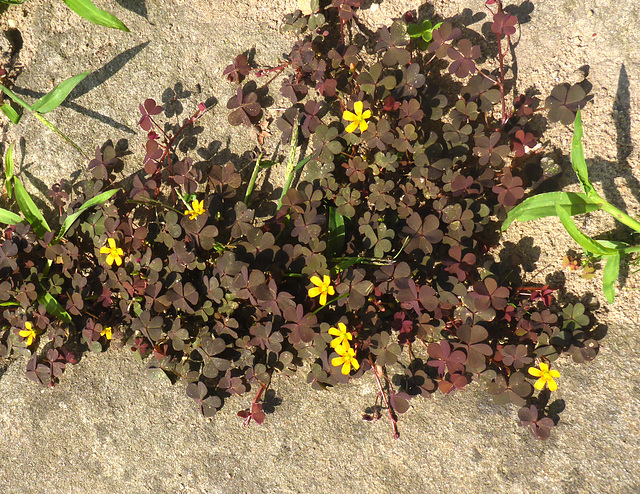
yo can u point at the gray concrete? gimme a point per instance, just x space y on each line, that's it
108 428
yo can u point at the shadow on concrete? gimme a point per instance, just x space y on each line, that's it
93 80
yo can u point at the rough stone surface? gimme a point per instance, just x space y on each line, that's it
108 428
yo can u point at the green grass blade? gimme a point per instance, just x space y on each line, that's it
577 157
54 98
53 307
335 242
9 217
587 243
29 209
543 205
254 178
14 97
610 275
291 164
8 171
87 10
95 201
11 114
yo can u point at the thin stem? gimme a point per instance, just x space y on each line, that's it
394 422
344 295
247 421
252 181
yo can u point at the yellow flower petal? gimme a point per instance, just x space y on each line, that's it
539 385
543 367
554 373
355 363
337 361
112 243
331 291
552 385
366 114
347 115
357 107
334 331
315 291
351 127
346 368
363 126
323 298
316 280
535 372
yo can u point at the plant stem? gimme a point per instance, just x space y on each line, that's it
394 422
291 165
252 181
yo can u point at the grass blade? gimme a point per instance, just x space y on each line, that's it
335 242
587 243
54 98
87 10
291 164
14 97
29 209
254 178
9 217
94 201
544 205
577 158
11 114
53 307
610 275
8 171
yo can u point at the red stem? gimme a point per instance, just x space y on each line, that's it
247 421
394 422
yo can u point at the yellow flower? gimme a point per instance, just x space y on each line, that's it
29 333
347 359
545 375
106 332
114 254
357 119
197 208
342 336
323 288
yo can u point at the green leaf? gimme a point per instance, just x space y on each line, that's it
11 114
53 307
335 242
587 243
87 10
544 205
302 162
94 201
577 158
14 97
610 275
9 304
12 2
29 209
9 218
54 98
8 171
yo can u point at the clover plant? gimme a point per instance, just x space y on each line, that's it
376 260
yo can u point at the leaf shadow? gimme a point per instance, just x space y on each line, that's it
93 80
